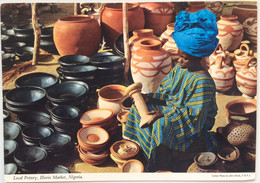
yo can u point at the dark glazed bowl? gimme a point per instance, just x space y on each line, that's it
11 130
10 147
47 33
35 132
73 60
11 47
55 169
101 54
24 29
25 53
26 38
10 168
55 141
78 71
65 112
118 46
29 118
107 61
40 79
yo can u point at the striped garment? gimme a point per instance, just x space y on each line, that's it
189 112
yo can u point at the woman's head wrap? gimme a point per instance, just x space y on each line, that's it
195 33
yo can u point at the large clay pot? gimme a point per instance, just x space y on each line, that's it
150 64
250 27
219 52
164 37
195 6
158 15
77 35
242 55
230 32
244 11
223 75
246 78
171 47
111 18
215 7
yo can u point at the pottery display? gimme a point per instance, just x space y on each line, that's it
195 6
244 11
164 37
110 12
250 27
158 15
246 78
150 64
230 32
84 33
132 166
223 75
215 7
219 52
91 158
241 56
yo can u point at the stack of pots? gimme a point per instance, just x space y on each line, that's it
24 33
46 42
250 27
93 143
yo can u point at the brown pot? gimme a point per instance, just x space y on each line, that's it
195 6
124 149
244 11
215 7
77 35
242 56
158 16
167 34
220 52
111 19
132 166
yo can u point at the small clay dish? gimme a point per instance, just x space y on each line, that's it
205 159
73 60
6 115
35 132
132 166
124 149
11 47
25 53
40 79
65 112
79 70
10 147
118 161
54 169
30 117
10 168
94 156
11 130
91 161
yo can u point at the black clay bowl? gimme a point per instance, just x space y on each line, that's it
110 71
11 48
28 118
4 39
54 169
11 130
118 46
47 33
48 46
69 112
10 168
10 147
101 54
36 132
25 96
40 79
24 29
68 91
73 60
55 141
90 80
6 115
25 53
107 61
26 38
78 71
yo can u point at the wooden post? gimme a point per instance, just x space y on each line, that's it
126 37
76 9
37 33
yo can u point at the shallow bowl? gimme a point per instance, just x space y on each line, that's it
55 141
25 53
124 149
98 117
67 112
11 47
205 159
29 117
78 70
73 60
93 136
11 130
10 168
35 132
10 146
132 166
107 61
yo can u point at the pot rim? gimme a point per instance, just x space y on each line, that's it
117 87
76 18
132 6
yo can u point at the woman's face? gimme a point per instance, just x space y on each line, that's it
187 61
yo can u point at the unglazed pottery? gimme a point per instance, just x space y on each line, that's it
250 27
219 52
93 158
242 55
122 118
195 6
158 15
215 7
244 11
230 32
132 166
150 64
77 35
164 37
118 161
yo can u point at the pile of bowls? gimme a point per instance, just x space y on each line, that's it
10 147
122 151
24 33
46 42
30 117
93 145
25 53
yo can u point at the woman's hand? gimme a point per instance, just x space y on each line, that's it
150 118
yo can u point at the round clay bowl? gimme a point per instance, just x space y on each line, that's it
124 149
94 156
25 53
65 112
28 118
122 117
91 161
11 47
229 153
10 168
11 130
73 60
78 70
40 79
54 169
55 141
35 132
10 147
119 162
205 159
6 115
132 166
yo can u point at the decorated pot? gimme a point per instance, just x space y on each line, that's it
223 75
77 35
215 7
250 27
230 32
244 11
242 55
111 18
246 78
195 6
164 37
158 15
150 64
219 52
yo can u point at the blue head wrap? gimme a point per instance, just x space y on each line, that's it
195 33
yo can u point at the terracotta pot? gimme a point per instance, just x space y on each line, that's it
242 56
111 18
83 32
195 6
219 52
124 149
223 75
215 7
164 37
246 78
171 47
244 11
109 97
230 32
158 15
132 166
250 27
150 64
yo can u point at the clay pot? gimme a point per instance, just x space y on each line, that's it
246 78
223 75
122 118
150 64
242 56
109 97
244 11
215 7
132 166
206 160
171 47
125 103
83 32
164 37
124 149
219 52
113 11
230 32
158 15
250 27
195 6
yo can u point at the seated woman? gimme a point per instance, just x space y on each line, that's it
184 105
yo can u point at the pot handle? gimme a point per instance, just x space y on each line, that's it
246 47
248 62
219 47
219 62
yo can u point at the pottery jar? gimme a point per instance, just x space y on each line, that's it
219 52
195 6
250 27
230 32
77 35
223 75
215 7
111 18
164 37
158 15
241 56
244 11
150 64
246 78
171 47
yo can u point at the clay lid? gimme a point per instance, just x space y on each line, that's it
124 149
132 166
